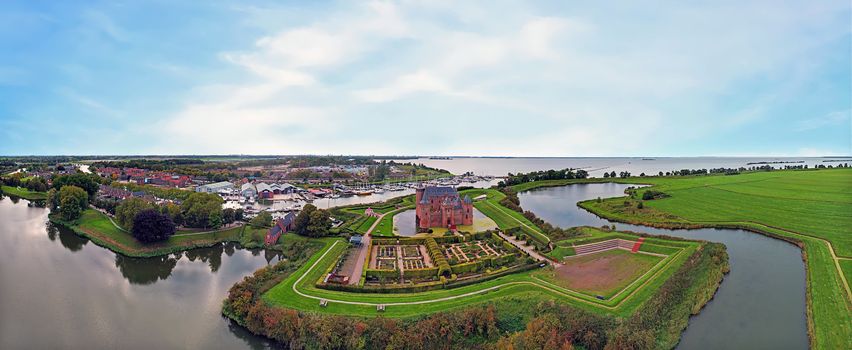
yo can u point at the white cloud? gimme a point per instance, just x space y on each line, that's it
371 77
829 119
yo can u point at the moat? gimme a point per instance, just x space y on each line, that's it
761 302
175 301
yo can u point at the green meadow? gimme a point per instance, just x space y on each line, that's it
810 207
24 193
98 227
298 291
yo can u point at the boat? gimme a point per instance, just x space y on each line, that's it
363 192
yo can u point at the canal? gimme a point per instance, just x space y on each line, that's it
61 291
761 303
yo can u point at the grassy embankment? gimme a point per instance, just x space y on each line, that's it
811 208
24 193
298 291
359 223
505 218
97 226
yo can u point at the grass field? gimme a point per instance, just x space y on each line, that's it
24 193
603 273
298 291
365 225
385 227
811 207
97 227
505 218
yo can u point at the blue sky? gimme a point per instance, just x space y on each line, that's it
549 78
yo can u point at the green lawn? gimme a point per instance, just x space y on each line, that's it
812 207
504 217
97 227
24 193
385 226
365 225
522 283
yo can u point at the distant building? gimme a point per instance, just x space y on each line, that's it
109 192
248 190
265 190
356 240
215 187
440 206
282 226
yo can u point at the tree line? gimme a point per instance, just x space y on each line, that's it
564 174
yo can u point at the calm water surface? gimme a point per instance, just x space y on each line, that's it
58 290
760 304
597 165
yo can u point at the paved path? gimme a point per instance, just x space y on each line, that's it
536 282
529 250
183 234
364 251
536 229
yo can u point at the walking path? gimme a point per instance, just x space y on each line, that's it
529 250
355 278
536 229
182 234
574 295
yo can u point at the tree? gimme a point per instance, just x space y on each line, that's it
202 210
125 213
320 222
72 201
87 182
304 219
228 215
264 219
37 184
612 174
173 211
53 199
150 225
239 214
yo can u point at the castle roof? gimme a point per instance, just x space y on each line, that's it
437 191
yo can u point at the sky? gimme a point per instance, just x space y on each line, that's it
477 78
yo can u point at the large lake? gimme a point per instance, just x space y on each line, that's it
597 165
761 302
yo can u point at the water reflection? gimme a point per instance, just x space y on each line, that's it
146 270
104 294
760 304
69 239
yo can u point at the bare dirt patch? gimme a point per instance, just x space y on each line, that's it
603 273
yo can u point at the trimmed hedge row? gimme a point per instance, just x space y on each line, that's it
382 273
438 258
420 273
390 288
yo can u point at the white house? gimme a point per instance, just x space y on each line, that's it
215 187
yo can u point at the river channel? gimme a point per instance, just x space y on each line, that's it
59 290
761 302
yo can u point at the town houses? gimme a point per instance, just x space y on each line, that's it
145 177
